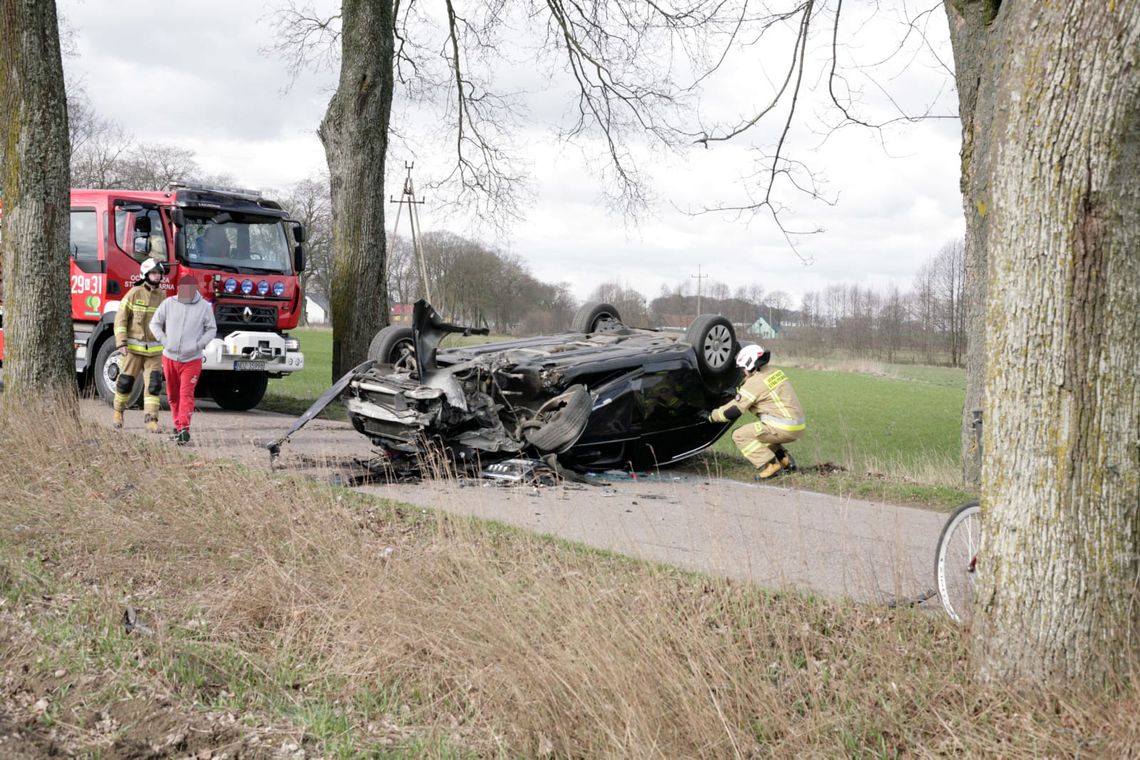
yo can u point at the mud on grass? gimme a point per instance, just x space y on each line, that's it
287 614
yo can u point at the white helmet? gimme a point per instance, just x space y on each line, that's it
752 356
149 266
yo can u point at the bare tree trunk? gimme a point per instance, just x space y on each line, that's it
977 50
38 358
355 135
1061 478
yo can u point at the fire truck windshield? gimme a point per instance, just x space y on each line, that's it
237 243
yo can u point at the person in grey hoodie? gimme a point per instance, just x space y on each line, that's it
184 325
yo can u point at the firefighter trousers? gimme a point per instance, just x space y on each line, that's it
135 368
757 440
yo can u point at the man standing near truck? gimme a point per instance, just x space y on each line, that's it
140 352
185 325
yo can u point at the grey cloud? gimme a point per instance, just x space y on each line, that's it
171 71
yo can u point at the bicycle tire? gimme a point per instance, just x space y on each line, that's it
955 558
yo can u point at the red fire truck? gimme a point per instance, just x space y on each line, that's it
243 249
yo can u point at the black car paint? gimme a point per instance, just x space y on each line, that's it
650 400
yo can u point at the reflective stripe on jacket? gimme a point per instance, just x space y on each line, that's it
132 320
768 394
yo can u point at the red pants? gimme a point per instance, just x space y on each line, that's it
181 379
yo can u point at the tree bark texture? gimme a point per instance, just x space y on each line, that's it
39 358
355 136
1056 212
978 47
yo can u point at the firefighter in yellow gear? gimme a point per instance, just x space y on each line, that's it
140 353
767 393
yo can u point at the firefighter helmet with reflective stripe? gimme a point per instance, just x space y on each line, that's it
752 357
152 267
149 266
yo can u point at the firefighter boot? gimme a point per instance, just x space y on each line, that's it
183 437
117 420
786 460
151 423
770 470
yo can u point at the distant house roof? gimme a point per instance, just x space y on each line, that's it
762 329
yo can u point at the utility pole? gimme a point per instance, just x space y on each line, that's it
698 277
409 197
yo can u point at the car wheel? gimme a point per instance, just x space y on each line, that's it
714 341
106 372
558 423
394 345
595 317
239 391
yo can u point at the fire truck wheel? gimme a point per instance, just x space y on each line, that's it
106 371
239 391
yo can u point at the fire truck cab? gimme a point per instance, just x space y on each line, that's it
243 249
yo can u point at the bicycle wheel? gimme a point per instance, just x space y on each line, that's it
956 561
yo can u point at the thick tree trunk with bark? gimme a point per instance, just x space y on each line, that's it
977 56
38 358
1054 186
355 136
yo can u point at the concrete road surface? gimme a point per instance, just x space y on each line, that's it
774 537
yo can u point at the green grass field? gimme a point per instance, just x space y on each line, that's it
316 377
893 433
861 421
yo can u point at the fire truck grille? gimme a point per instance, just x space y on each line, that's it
231 317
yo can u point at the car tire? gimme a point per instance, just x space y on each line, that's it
106 371
239 391
714 342
595 317
560 421
393 345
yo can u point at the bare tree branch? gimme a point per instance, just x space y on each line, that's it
305 39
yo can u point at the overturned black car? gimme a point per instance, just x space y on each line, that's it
602 396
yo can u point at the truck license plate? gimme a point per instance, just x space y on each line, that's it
249 366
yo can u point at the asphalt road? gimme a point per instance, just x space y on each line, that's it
774 537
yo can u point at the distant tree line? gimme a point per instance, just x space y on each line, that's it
473 283
476 285
926 324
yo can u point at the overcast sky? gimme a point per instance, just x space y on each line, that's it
196 75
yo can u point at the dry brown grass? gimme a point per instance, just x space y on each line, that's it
500 642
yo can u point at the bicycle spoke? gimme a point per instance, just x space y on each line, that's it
955 561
